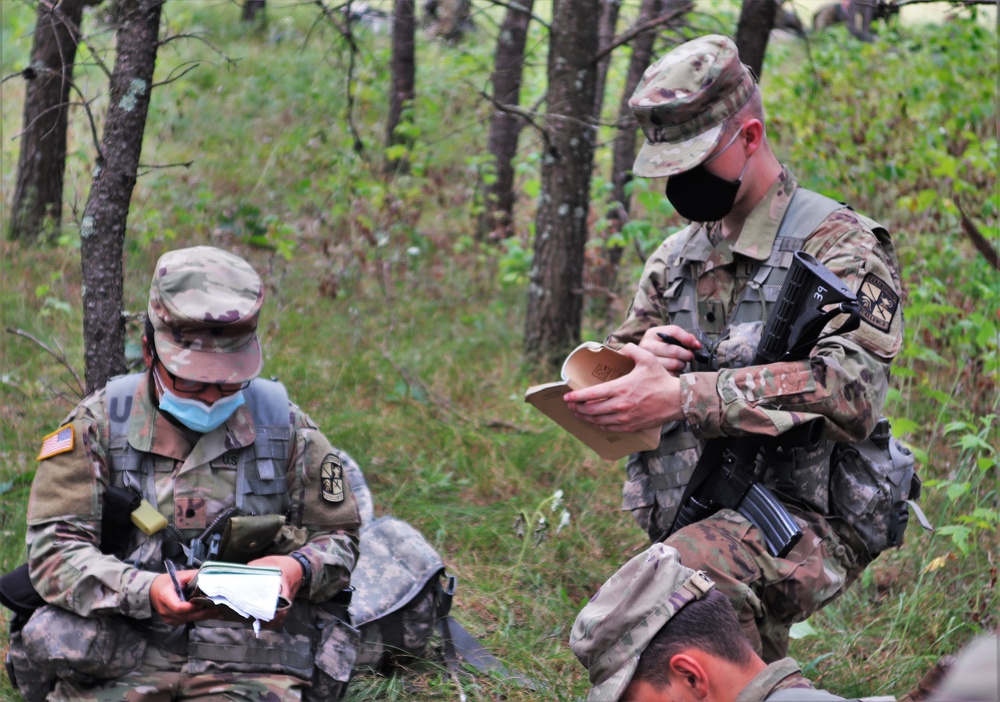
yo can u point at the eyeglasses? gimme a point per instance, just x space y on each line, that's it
196 386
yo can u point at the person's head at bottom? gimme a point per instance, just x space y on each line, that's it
657 631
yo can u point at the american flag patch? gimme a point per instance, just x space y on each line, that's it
59 441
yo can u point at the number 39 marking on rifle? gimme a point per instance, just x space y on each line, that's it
820 293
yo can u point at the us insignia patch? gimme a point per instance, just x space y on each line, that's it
878 302
59 441
331 479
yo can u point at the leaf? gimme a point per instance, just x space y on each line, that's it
935 564
801 630
956 490
904 425
971 441
959 536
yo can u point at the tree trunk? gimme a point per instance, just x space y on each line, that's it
555 296
860 14
102 232
753 31
624 147
605 33
505 127
254 11
40 167
403 69
451 19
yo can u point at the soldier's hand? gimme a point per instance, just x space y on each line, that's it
169 605
291 581
673 357
647 397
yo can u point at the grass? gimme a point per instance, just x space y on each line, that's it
391 327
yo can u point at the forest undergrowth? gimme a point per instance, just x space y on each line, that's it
399 331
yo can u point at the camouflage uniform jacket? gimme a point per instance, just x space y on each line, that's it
783 675
844 382
194 483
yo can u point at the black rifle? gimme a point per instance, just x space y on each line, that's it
729 470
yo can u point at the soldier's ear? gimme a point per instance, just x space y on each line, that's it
689 676
753 135
147 352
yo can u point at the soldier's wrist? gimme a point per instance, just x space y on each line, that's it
306 569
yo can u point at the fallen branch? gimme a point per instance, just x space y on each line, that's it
59 356
981 243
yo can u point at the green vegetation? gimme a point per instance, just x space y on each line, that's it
400 334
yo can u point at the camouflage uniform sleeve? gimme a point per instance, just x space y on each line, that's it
647 309
65 563
324 506
846 379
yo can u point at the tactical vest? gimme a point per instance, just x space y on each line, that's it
656 479
260 471
216 646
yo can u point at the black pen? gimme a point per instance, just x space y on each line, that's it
172 570
699 354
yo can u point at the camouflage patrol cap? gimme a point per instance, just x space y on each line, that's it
683 100
615 627
204 303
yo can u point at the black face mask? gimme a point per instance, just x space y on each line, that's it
702 196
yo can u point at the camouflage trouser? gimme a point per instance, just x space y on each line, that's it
770 594
158 680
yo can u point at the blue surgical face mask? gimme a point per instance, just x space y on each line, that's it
195 414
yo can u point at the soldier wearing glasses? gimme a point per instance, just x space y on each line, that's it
215 452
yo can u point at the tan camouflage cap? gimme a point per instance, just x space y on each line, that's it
616 625
204 303
683 100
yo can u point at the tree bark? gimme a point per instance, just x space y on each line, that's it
254 11
403 70
505 127
605 33
555 295
102 232
624 145
860 14
753 31
41 165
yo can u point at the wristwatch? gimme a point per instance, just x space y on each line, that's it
307 571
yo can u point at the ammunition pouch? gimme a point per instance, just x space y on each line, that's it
655 482
245 538
871 484
336 650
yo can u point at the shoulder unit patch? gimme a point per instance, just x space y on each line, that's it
59 441
878 302
331 479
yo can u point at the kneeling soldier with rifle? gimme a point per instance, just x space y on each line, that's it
762 335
